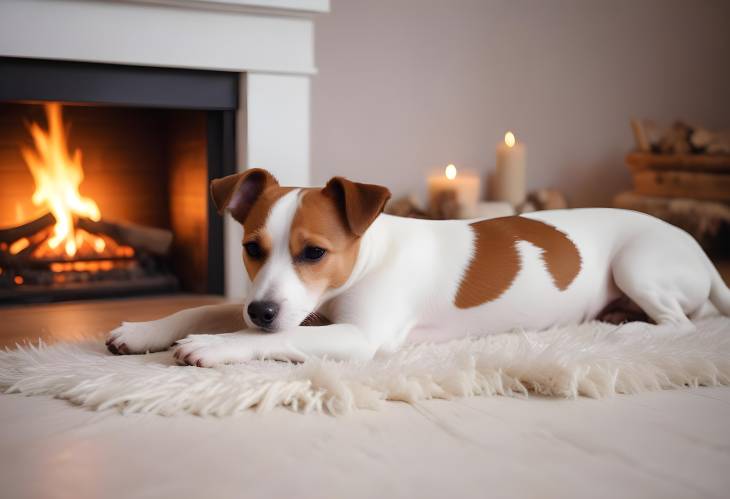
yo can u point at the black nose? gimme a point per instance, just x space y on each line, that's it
263 313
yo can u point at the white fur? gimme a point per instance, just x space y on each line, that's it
277 280
593 360
408 272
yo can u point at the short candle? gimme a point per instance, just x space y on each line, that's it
465 186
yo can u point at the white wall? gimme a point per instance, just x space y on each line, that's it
406 85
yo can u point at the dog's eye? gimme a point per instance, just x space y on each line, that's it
253 249
313 253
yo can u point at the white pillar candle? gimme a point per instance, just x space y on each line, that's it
509 180
466 188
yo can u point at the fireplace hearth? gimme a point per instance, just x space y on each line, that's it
104 174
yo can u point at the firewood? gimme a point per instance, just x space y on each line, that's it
12 234
34 242
720 143
548 199
674 162
150 239
640 136
701 138
676 139
406 206
679 184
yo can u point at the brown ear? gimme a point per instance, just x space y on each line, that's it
238 192
361 203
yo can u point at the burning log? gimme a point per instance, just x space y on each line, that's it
12 234
71 252
150 239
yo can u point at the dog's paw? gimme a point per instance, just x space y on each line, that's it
137 337
209 350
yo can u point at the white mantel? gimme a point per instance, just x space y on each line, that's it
271 42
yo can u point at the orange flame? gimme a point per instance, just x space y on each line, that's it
57 175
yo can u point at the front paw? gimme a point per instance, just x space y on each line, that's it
209 350
136 337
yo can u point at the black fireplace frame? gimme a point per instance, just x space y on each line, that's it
215 92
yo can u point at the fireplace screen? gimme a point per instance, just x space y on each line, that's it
102 200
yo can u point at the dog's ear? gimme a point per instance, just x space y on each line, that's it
361 203
237 193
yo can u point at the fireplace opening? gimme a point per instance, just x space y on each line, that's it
102 199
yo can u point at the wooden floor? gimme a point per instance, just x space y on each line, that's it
63 321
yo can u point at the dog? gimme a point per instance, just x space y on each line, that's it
382 280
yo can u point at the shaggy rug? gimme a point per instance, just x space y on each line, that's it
592 360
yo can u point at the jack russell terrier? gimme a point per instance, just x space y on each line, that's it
381 279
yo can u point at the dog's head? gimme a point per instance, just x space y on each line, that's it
299 245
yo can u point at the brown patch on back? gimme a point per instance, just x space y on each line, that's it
319 221
496 262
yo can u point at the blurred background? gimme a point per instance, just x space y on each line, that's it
407 85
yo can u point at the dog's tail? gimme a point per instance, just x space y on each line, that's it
719 292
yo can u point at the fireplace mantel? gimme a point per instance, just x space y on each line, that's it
175 33
270 42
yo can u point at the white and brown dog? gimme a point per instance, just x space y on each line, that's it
381 279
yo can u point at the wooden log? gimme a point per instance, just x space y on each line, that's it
637 161
640 136
12 234
34 242
679 184
150 239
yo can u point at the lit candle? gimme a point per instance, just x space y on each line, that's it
461 188
509 179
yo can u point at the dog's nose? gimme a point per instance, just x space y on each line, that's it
263 313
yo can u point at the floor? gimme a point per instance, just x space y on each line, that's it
663 444
66 321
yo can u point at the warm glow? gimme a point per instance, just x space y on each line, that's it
450 172
19 213
509 139
57 175
99 245
19 246
18 279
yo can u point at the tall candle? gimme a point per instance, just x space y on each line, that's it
462 187
509 179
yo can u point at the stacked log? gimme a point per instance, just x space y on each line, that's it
681 174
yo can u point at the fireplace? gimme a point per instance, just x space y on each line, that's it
104 173
242 68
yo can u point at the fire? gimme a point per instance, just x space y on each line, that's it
57 175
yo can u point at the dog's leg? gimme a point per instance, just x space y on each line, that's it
651 278
153 336
337 341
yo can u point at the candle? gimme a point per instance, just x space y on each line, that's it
453 193
509 179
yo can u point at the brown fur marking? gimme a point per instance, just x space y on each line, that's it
319 221
253 227
496 262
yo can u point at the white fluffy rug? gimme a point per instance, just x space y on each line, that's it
593 360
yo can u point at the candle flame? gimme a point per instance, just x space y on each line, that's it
450 172
509 139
